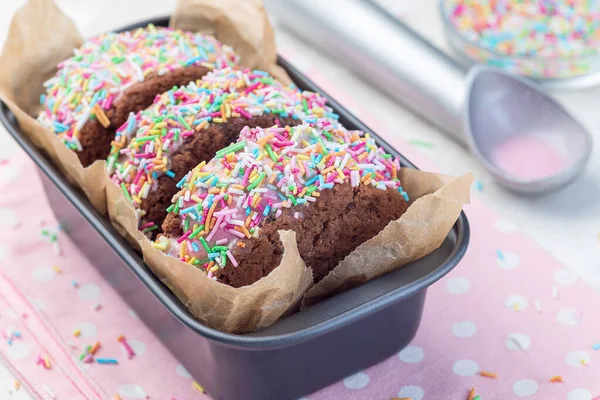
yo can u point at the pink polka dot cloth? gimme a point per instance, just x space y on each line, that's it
509 311
49 292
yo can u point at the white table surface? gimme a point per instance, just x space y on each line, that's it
566 223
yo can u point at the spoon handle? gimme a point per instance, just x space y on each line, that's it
385 52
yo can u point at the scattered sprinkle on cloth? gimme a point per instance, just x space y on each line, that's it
58 304
509 322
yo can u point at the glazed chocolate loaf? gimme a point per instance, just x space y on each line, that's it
188 125
116 74
334 188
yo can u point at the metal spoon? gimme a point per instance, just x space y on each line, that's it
526 140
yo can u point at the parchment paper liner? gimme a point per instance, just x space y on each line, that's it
437 203
41 36
235 309
418 232
242 24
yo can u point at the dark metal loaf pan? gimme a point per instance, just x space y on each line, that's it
295 356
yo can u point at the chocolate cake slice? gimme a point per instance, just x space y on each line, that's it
334 188
188 125
115 74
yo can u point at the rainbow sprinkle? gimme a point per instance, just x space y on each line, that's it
130 353
106 361
87 84
264 173
51 236
95 348
538 28
471 394
487 374
539 38
178 114
421 143
10 335
198 387
44 361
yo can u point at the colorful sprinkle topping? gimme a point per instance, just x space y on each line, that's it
87 84
266 171
183 112
471 394
539 28
537 38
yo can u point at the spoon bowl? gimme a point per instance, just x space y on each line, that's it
526 139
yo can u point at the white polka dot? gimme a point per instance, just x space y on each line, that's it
525 387
579 394
578 358
458 285
516 302
89 291
17 351
565 277
508 261
465 368
12 314
43 273
133 314
132 391
8 218
505 226
8 150
3 252
518 341
87 329
411 354
568 316
37 304
464 329
138 347
357 381
181 371
412 392
9 173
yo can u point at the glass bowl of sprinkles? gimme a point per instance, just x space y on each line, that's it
552 41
